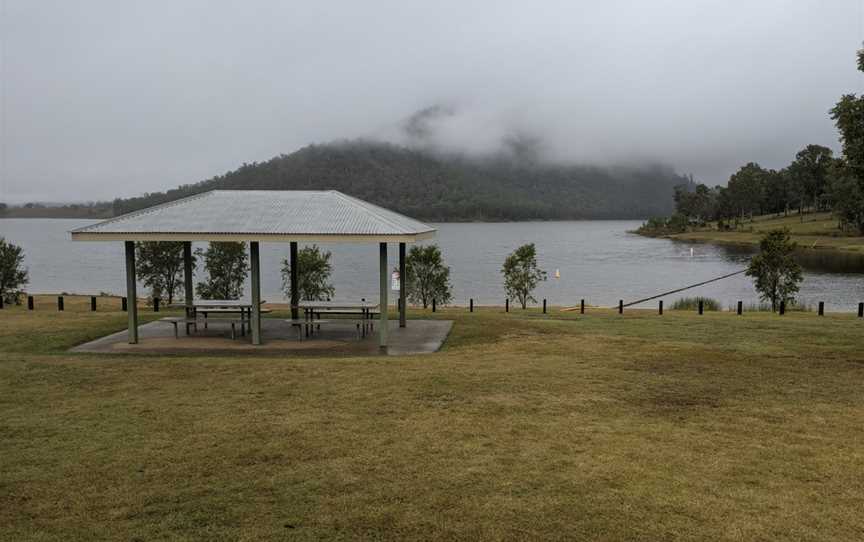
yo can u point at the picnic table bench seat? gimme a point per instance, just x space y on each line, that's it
242 322
309 325
366 315
177 320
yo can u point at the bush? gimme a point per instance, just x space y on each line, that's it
692 304
13 275
676 223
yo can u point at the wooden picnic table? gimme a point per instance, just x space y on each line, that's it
223 306
362 308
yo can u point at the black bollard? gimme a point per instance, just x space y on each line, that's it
471 305
155 304
582 307
123 304
544 306
701 307
860 310
660 308
821 308
1 302
740 307
92 303
30 303
620 306
782 308
59 302
433 304
507 305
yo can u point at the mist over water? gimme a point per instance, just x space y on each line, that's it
598 261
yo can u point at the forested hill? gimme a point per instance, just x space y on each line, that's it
436 187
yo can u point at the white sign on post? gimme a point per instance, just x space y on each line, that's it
394 278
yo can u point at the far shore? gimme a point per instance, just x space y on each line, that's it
818 231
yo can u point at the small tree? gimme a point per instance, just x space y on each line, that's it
227 265
313 274
521 274
426 277
160 267
775 272
13 276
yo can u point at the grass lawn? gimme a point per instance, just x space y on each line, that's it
817 231
525 426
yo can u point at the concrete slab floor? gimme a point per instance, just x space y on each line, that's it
334 338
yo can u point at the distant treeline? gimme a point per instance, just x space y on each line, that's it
73 210
805 184
432 186
815 180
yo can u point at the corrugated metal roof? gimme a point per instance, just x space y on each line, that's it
252 213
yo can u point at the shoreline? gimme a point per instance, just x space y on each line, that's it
843 244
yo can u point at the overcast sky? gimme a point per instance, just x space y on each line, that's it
113 98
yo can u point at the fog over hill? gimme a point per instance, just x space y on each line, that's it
512 182
105 99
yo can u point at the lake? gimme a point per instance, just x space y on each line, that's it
597 260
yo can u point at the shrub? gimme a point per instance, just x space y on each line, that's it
692 304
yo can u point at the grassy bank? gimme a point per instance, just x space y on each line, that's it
525 427
817 231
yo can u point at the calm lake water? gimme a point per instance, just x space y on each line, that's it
598 261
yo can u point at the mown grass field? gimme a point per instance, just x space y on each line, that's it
816 231
525 426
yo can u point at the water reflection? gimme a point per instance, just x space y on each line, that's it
821 261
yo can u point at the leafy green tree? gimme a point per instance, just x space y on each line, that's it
695 201
810 170
427 277
160 267
521 274
747 188
847 198
775 272
313 274
227 265
778 192
13 276
848 115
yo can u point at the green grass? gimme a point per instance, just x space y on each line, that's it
525 426
817 231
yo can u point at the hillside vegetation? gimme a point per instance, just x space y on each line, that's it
441 187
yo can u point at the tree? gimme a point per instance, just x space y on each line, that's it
848 116
227 265
810 170
427 277
13 276
747 188
847 198
695 201
521 274
778 192
775 272
160 267
313 274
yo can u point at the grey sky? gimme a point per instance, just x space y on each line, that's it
111 98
